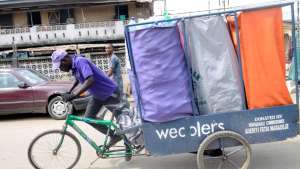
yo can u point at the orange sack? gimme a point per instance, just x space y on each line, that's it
262 56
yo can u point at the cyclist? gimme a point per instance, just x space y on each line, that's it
103 90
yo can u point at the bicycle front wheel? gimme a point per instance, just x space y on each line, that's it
42 152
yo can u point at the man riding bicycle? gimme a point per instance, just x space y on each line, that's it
103 90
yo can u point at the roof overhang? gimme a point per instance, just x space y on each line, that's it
12 5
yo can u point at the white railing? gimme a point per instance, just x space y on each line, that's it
51 28
62 34
14 31
95 24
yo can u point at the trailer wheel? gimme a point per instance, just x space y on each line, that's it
237 157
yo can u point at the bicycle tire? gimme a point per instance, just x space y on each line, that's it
60 132
219 135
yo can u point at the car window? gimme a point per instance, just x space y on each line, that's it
32 76
8 80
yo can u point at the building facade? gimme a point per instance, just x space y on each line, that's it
31 30
50 22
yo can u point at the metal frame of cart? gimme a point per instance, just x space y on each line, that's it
232 129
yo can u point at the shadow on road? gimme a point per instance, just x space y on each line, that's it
186 161
14 117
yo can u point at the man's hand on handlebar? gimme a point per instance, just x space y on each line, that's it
67 97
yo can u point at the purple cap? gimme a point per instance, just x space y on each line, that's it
56 57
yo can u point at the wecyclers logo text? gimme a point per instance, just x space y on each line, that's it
194 131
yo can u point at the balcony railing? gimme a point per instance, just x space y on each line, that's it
51 28
62 34
95 24
14 31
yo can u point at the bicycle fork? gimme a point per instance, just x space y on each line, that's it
61 140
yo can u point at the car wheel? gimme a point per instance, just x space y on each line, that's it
58 109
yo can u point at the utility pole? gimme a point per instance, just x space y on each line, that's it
208 6
15 63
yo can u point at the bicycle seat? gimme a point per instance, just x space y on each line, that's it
116 107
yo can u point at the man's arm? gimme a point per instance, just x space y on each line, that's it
110 72
112 66
75 83
85 86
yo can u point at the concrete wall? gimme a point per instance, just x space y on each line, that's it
132 12
138 11
44 18
20 19
94 14
88 14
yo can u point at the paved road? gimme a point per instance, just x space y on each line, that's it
17 131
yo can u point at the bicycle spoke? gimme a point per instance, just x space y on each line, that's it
63 163
69 156
66 146
55 163
43 152
66 151
56 160
53 141
39 165
221 165
42 155
49 144
213 158
233 164
51 163
235 151
42 147
222 144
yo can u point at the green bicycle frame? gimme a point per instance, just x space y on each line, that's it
99 149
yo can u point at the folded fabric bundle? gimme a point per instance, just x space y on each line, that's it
161 72
262 56
215 70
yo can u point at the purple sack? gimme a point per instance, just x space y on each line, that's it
161 73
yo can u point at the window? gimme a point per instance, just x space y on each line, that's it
34 18
32 77
63 16
53 17
8 80
121 12
6 21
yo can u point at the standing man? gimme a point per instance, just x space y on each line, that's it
103 90
114 70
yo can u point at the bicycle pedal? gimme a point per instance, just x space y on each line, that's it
93 162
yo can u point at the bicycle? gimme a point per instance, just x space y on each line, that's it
58 142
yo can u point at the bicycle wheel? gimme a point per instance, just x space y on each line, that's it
231 157
41 150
